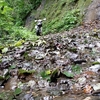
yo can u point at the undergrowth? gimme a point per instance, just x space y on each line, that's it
61 15
70 20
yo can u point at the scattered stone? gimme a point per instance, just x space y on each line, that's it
82 80
31 84
87 98
96 93
95 68
96 86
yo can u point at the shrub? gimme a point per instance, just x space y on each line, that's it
70 20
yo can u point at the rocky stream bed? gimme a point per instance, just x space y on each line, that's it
63 66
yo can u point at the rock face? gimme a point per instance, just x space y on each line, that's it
93 11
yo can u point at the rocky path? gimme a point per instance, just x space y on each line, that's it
55 67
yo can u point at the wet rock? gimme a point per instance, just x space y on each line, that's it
98 60
97 44
43 84
24 96
63 84
5 71
63 87
47 98
28 97
96 86
40 56
91 46
31 84
27 65
73 56
62 62
82 80
54 53
54 92
95 68
34 53
87 98
23 86
5 64
7 58
96 93
76 88
81 47
13 72
37 55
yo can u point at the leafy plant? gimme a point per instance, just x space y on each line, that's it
70 20
46 74
17 91
95 63
21 71
68 74
4 50
6 20
6 96
76 69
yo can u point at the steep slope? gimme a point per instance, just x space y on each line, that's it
60 14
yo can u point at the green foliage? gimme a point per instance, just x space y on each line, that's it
1 78
95 63
10 95
36 3
12 67
6 20
76 69
4 50
17 91
68 74
70 20
13 14
46 74
19 32
19 43
22 8
6 96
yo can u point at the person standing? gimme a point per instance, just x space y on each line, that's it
38 27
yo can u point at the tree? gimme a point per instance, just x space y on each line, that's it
6 20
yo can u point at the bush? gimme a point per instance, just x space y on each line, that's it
6 20
70 20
